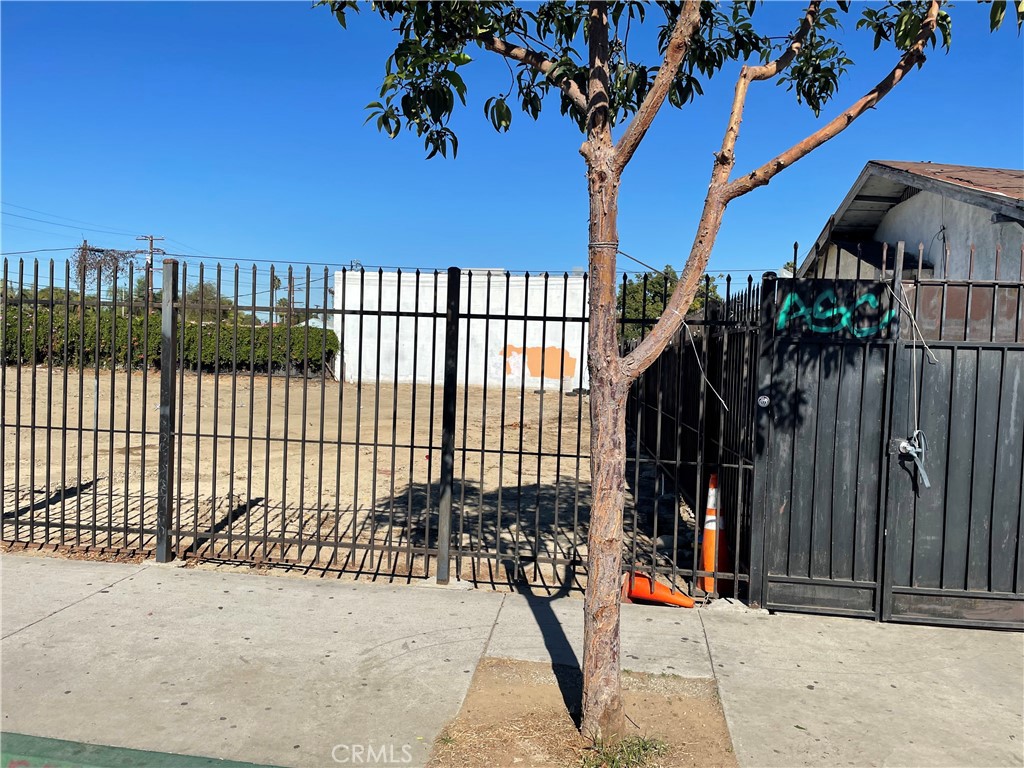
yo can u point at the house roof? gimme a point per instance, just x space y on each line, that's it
1007 182
883 184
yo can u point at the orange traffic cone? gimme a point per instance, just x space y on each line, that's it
709 542
637 586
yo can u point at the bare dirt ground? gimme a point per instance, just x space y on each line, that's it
521 713
307 472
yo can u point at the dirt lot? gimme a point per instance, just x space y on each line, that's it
302 472
518 713
310 462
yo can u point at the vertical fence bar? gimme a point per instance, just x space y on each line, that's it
5 288
251 426
18 359
409 530
271 316
128 403
182 315
110 425
391 550
96 408
79 496
340 304
301 534
33 422
479 548
465 430
323 421
375 450
233 417
147 300
64 391
522 420
168 369
451 359
51 304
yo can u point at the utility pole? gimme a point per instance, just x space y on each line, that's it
149 265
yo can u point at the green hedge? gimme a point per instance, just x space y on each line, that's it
36 344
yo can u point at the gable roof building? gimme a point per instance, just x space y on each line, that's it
958 221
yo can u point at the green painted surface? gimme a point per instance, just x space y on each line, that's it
20 751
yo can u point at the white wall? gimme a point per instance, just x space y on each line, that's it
497 349
921 219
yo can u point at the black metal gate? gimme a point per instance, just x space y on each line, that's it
856 378
954 545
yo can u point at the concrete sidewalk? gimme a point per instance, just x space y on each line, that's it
287 671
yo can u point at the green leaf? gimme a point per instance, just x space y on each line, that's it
996 14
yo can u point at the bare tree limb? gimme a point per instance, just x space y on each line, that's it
675 52
647 351
765 71
539 62
913 57
726 157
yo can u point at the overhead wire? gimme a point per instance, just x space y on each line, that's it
58 216
69 226
38 250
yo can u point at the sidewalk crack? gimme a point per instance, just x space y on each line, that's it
490 634
80 600
707 644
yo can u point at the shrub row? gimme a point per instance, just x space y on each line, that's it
93 337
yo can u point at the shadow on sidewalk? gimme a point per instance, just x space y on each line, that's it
564 663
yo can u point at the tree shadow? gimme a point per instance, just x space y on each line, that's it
521 529
565 665
54 498
222 525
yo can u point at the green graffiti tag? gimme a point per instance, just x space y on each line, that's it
827 314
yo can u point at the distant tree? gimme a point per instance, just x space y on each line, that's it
215 307
790 266
646 297
282 312
139 292
140 289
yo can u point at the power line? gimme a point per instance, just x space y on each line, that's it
33 229
191 248
37 250
56 216
69 226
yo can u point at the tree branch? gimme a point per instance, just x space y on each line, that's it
537 61
647 351
721 192
675 52
773 68
726 157
914 56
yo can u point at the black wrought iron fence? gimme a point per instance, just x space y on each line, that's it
395 423
690 418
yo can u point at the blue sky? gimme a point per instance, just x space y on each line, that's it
236 131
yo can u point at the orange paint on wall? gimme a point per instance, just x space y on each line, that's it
556 363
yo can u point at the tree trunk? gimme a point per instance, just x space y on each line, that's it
603 715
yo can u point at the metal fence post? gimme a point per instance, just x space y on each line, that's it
451 361
168 372
762 427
